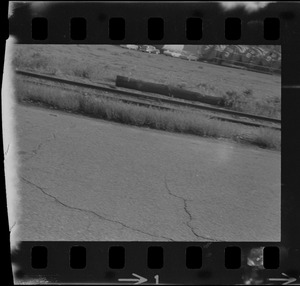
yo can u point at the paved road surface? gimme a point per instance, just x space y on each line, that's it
87 179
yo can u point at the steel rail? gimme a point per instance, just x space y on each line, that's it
149 97
158 106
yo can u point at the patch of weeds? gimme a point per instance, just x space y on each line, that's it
231 100
35 62
268 138
248 93
189 122
83 72
204 85
182 85
246 102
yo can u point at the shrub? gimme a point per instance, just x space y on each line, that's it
246 102
83 72
268 138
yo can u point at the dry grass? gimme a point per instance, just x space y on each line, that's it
173 121
239 99
246 102
268 138
35 61
84 72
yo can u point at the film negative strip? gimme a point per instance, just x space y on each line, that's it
144 143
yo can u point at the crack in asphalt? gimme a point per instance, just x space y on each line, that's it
39 146
91 212
6 152
10 230
185 207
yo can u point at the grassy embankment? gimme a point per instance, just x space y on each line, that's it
174 121
245 102
243 98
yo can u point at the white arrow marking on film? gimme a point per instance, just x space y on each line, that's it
140 279
287 280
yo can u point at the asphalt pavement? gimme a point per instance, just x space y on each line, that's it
85 179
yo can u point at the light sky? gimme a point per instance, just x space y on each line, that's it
174 47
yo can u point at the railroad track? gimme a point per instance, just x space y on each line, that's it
157 101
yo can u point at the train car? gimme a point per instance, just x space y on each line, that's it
242 50
276 63
219 51
264 61
233 54
188 56
211 53
159 47
190 52
252 57
246 57
272 60
206 52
